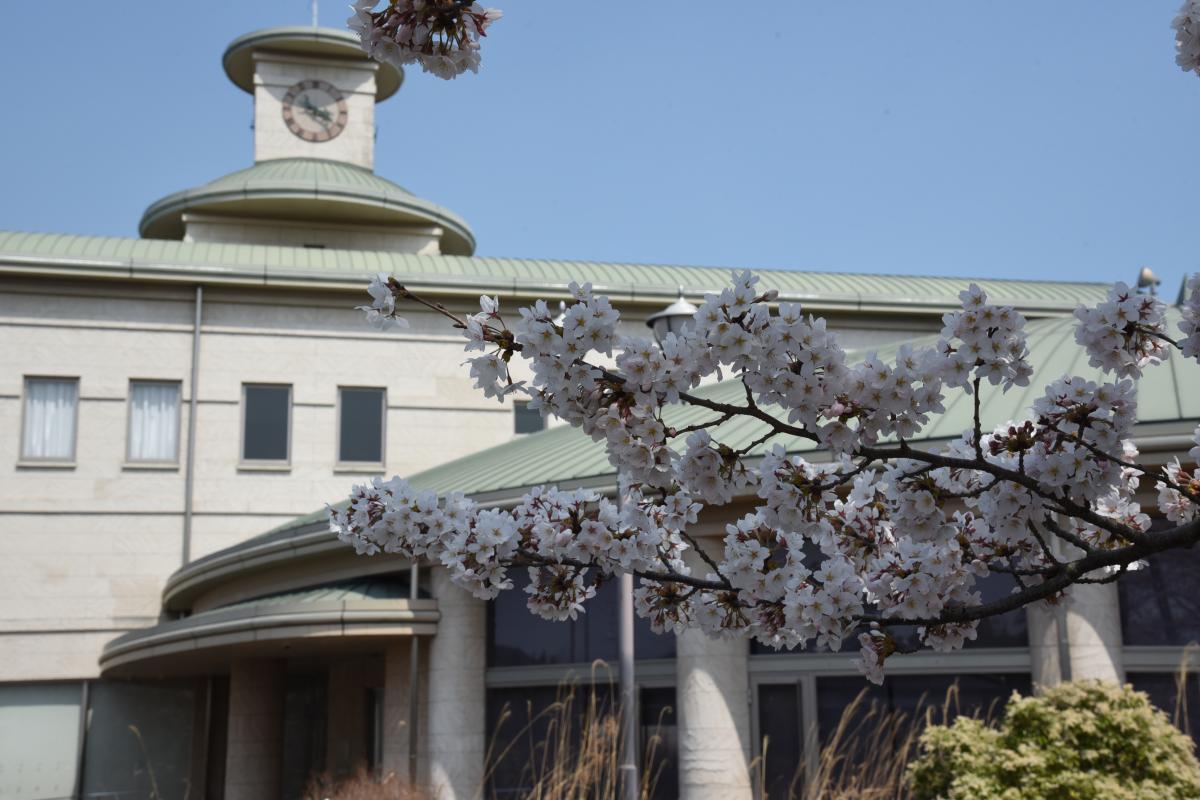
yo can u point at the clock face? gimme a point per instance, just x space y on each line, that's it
314 110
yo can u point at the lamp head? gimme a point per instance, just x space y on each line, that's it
672 319
1147 281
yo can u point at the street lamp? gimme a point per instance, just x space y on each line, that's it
672 319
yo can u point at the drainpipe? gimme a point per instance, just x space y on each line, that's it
190 469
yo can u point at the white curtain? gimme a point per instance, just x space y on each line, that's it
50 418
153 421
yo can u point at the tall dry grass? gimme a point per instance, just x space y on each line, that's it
573 748
866 753
363 785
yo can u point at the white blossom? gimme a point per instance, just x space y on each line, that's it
829 551
440 35
1187 36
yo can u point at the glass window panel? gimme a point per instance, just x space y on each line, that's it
266 422
1164 689
517 637
779 724
153 421
360 431
50 412
1153 609
139 741
305 718
526 419
865 730
39 733
660 742
520 721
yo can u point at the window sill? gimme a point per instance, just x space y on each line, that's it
150 466
48 464
264 466
358 469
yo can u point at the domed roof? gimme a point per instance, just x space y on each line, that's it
303 41
307 189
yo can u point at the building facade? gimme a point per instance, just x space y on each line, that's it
167 399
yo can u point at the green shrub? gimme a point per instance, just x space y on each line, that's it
1078 741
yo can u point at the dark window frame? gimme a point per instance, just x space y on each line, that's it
345 464
265 463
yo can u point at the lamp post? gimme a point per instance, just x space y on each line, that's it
671 319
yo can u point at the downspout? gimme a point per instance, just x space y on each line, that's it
190 469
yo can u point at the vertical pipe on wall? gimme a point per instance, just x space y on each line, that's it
190 469
414 679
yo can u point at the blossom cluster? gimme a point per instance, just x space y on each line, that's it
440 35
1124 333
1187 36
1190 324
870 535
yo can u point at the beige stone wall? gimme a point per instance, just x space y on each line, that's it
88 549
425 240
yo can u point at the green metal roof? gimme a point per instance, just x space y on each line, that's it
158 259
369 587
306 189
303 41
566 457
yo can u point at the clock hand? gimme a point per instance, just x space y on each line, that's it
316 112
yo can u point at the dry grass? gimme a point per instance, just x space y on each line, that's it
362 786
866 754
574 749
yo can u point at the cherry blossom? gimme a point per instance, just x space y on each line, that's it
1187 36
440 35
860 532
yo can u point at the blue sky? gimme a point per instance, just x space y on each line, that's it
1022 139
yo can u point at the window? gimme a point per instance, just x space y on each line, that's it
1176 693
153 422
139 740
536 727
526 419
517 638
39 731
360 425
1154 611
266 422
860 721
51 410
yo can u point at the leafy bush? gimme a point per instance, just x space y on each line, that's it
1078 741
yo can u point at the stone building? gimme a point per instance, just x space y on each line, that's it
165 400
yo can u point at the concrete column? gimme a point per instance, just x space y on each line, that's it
1044 646
1094 632
255 746
455 735
1092 644
712 693
396 681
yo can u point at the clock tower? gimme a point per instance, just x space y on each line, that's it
314 93
313 183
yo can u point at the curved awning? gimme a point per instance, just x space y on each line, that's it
344 616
